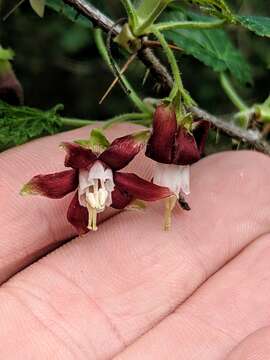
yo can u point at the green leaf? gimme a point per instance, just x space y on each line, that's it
21 124
38 6
260 25
6 54
69 12
213 47
217 8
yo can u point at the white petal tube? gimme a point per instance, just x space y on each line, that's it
175 177
102 178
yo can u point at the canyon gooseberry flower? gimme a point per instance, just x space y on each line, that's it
175 148
95 176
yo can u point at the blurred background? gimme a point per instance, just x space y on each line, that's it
57 62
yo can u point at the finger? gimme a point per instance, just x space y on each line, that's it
225 310
254 347
130 275
32 226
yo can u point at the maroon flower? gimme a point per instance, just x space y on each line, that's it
98 183
173 144
174 148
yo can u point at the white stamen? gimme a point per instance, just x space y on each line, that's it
102 196
95 188
90 199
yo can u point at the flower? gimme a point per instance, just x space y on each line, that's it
175 148
96 178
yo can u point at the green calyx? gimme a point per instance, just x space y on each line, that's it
97 141
128 40
141 136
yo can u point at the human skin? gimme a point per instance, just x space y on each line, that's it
130 290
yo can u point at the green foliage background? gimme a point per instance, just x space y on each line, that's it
57 62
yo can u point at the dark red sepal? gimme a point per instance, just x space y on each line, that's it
186 151
200 133
54 186
121 151
78 157
160 144
77 215
120 198
140 188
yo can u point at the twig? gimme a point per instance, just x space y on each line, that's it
106 24
160 72
248 136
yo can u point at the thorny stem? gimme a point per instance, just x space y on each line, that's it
160 72
250 137
104 53
178 83
231 93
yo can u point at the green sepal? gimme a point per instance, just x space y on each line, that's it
6 54
97 141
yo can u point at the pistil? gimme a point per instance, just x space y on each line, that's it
169 206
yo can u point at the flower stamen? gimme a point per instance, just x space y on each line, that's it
169 206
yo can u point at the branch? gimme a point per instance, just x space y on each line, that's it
160 72
106 24
248 136
94 15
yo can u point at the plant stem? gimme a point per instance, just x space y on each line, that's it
189 25
178 84
231 93
147 13
160 72
76 123
104 54
137 117
131 12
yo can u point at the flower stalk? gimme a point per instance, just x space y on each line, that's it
231 93
178 91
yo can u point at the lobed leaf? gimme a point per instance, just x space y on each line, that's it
217 8
260 25
213 47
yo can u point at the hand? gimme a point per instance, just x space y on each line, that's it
131 290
